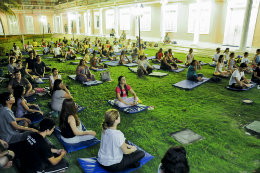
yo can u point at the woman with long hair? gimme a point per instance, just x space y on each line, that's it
70 126
189 57
192 72
122 58
55 75
11 66
87 55
111 53
226 55
103 51
83 72
232 63
59 93
94 62
219 66
167 63
159 55
122 93
24 109
171 56
115 155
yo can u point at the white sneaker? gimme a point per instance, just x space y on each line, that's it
258 86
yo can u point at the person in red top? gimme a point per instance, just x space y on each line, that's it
122 93
159 55
171 56
70 55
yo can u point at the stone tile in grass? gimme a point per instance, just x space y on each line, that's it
186 136
254 126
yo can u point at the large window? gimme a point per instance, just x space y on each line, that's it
125 19
96 20
110 19
1 29
171 16
145 22
205 15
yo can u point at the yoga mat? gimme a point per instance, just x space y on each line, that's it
188 84
130 110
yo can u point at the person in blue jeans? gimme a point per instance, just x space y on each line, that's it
191 73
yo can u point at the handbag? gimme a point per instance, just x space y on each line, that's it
105 76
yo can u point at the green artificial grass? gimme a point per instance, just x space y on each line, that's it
210 110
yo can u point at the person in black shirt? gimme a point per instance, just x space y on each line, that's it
256 74
30 62
22 69
38 155
39 67
65 41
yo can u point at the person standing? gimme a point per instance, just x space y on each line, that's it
66 28
49 28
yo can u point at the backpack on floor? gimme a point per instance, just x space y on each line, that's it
105 76
238 59
155 45
140 73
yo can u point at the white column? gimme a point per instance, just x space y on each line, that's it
86 22
196 38
54 24
116 21
77 22
61 23
10 30
89 27
25 24
100 22
136 27
40 23
244 35
163 19
69 24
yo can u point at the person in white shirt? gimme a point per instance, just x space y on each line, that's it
115 155
72 42
49 28
219 66
29 47
56 51
14 44
144 66
18 52
226 55
232 62
238 79
116 47
245 59
216 56
189 57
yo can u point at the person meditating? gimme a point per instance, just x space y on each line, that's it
112 33
167 39
141 52
57 51
70 55
256 58
122 93
256 74
24 109
144 66
238 79
30 63
11 66
219 66
232 62
191 73
226 55
123 35
171 56
165 63
53 77
83 72
94 62
6 155
22 69
70 126
87 55
189 57
18 80
122 58
59 93
111 54
135 56
39 67
115 155
115 47
159 55
216 56
103 51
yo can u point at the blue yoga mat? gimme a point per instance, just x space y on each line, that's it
131 65
113 64
92 83
154 61
105 59
183 65
30 99
25 53
157 67
187 84
78 146
130 110
36 118
90 165
236 89
102 69
151 57
212 65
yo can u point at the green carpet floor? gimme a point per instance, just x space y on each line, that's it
210 110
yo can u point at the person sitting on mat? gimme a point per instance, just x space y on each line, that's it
107 45
70 126
159 55
57 51
35 43
174 159
128 47
226 55
83 72
247 62
70 55
24 109
123 35
94 62
256 74
238 79
144 66
134 47
63 49
103 52
115 154
219 66
18 80
216 56
189 57
87 55
65 41
120 44
167 39
10 67
12 54
59 93
99 45
112 33
54 76
115 41
256 59
39 155
191 73
122 93
71 42
96 41
116 47
6 155
165 63
232 62
39 67
141 52
111 54
135 56
46 49
29 47
171 56
11 127
18 53
52 42
22 69
43 42
122 58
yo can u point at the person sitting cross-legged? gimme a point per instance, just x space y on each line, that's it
144 66
189 57
65 41
122 58
135 56
256 74
70 55
18 80
103 51
141 52
122 93
232 62
111 54
191 73
39 67
70 126
159 55
115 155
216 56
38 155
238 79
219 66
22 69
10 126
53 77
11 66
256 59
30 62
83 72
46 49
167 63
94 62
18 52
6 155
167 39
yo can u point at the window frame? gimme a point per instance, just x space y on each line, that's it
175 9
149 27
125 10
95 20
110 23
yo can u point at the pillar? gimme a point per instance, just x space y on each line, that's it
25 24
196 38
54 23
69 23
10 30
163 6
136 27
245 28
116 21
100 22
61 23
41 25
77 22
86 22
